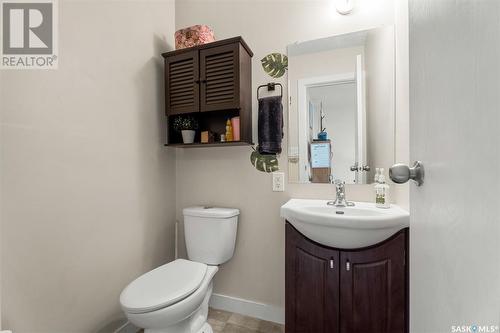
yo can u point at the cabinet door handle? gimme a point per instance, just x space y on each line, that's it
331 263
347 265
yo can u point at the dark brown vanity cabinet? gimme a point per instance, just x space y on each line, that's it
212 82
348 291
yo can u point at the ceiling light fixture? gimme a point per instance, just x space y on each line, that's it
344 7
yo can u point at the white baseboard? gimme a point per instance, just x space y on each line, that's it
248 308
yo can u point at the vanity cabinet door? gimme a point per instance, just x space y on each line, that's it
312 286
182 88
219 69
373 288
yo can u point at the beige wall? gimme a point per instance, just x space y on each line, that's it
380 81
88 188
224 176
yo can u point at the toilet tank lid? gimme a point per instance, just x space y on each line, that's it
213 212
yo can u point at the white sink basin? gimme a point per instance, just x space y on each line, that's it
344 227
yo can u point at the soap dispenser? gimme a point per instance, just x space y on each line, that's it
382 192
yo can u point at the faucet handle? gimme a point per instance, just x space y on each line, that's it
339 182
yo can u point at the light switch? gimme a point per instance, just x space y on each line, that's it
278 181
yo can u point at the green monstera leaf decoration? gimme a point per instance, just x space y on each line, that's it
264 163
275 64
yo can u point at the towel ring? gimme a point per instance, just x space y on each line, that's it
271 86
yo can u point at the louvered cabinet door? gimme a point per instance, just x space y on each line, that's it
182 88
219 73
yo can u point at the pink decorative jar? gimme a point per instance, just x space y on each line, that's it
192 36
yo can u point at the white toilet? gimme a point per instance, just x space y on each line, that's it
173 298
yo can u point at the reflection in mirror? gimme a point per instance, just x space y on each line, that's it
341 115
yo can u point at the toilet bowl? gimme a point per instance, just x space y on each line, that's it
174 298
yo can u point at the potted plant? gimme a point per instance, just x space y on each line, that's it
187 126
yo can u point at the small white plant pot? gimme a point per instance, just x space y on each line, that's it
188 136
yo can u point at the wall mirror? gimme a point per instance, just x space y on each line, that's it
342 107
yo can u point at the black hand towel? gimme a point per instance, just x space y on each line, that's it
270 125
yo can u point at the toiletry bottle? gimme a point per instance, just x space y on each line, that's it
235 124
377 173
382 192
229 131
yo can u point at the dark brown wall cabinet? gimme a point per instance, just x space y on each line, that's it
348 291
212 82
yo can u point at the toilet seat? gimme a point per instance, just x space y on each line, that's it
163 286
187 315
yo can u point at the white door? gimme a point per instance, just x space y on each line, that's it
455 131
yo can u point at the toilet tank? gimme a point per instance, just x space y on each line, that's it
210 233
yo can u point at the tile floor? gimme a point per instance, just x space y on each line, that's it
227 322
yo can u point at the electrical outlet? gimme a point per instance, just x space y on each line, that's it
278 181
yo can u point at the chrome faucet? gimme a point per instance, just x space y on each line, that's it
340 200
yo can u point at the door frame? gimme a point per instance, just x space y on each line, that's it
302 104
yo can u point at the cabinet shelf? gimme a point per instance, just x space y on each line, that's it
212 144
